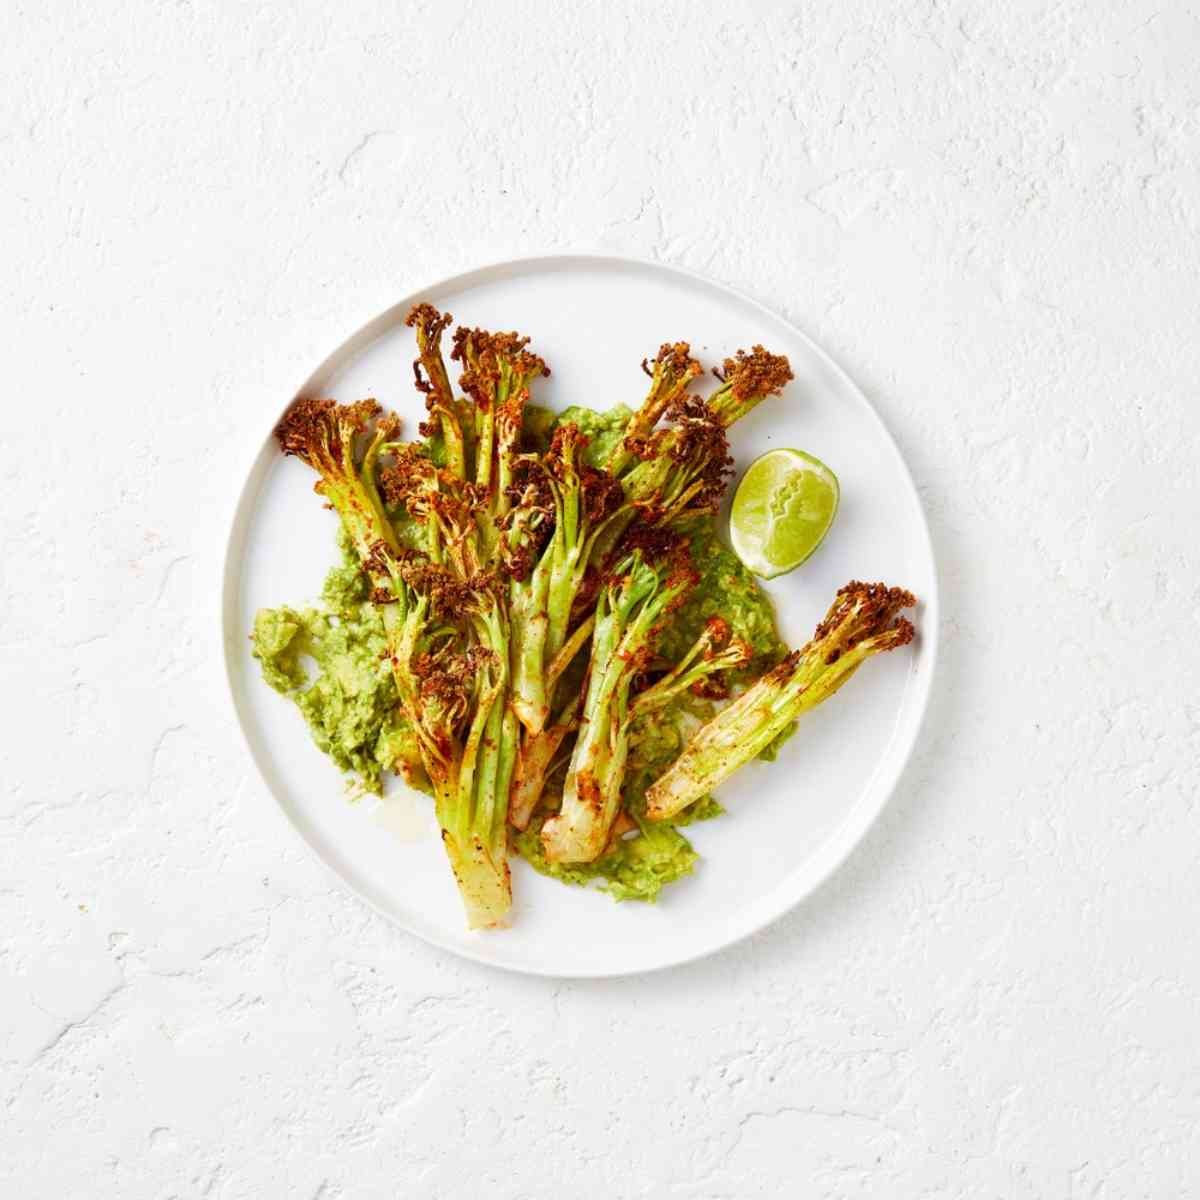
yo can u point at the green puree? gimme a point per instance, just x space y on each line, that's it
638 869
331 662
603 429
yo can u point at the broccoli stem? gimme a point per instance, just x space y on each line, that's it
429 325
486 422
700 661
510 744
543 605
674 369
671 472
862 622
447 640
467 834
474 809
536 755
562 660
626 614
565 553
529 621
747 380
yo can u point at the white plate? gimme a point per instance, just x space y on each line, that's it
789 823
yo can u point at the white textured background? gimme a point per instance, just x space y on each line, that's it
989 213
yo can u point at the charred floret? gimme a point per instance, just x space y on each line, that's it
863 620
747 380
672 371
433 381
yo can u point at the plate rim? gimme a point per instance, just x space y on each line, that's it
843 841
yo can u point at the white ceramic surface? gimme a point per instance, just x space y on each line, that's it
789 824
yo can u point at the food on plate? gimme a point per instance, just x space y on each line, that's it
535 621
863 620
782 510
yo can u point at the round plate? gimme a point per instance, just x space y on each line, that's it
789 823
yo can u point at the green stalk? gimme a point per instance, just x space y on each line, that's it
562 660
529 622
565 554
483 802
380 523
673 472
498 801
651 485
543 618
536 755
486 423
862 622
452 437
512 392
324 435
429 621
429 326
697 664
626 614
674 369
483 878
473 832
747 380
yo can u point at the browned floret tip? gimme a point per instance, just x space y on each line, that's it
655 543
314 426
674 361
702 442
567 442
863 610
718 631
428 320
757 373
481 354
409 472
602 494
711 687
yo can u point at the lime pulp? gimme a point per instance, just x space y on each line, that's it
782 510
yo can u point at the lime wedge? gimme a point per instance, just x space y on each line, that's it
782 510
